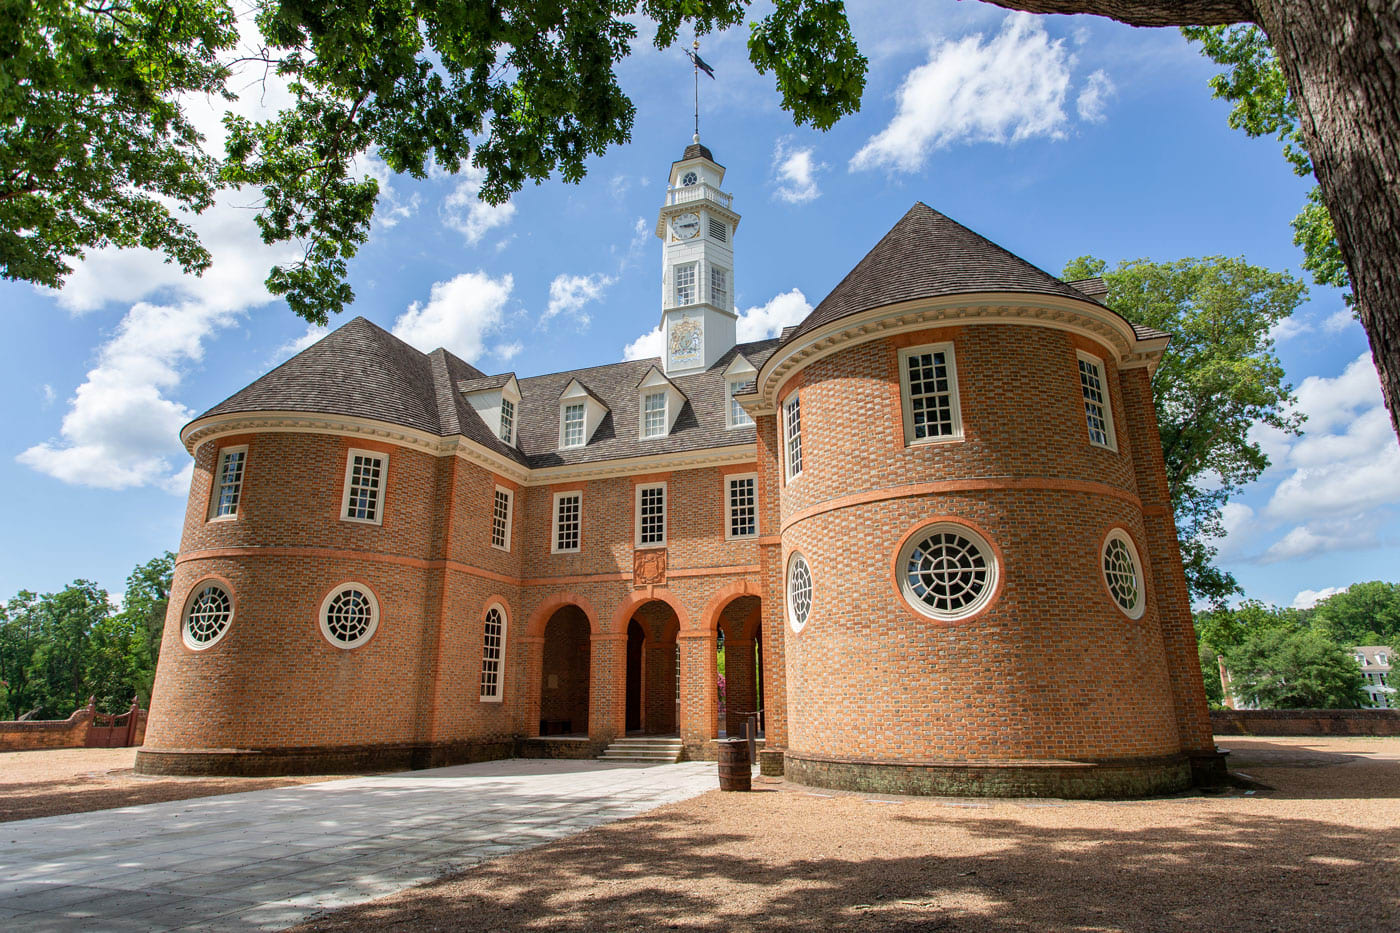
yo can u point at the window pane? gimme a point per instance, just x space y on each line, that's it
793 414
507 420
654 415
573 425
719 286
500 520
493 636
685 284
567 523
651 515
365 475
230 483
743 511
1091 382
930 394
737 416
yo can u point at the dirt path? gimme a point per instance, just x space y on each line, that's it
78 780
1319 851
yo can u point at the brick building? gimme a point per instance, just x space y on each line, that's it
930 525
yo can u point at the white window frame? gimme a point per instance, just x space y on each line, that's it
729 481
1101 371
368 633
906 399
1136 610
723 273
216 494
500 691
510 516
554 547
665 413
735 416
792 404
350 456
694 269
637 515
582 407
507 432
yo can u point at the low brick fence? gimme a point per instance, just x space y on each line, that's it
1306 721
77 731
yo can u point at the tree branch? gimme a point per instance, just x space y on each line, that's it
1146 12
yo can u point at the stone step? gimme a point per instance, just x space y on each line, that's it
643 748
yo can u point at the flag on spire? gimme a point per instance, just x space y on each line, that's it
699 62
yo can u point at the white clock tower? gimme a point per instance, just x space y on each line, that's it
696 224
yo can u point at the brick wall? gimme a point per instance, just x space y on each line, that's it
1305 721
47 733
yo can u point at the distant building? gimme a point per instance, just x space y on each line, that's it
1375 675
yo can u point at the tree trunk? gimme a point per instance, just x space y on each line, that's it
1342 62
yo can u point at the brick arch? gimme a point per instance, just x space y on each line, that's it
640 598
709 619
540 617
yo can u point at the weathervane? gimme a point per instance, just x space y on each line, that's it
700 66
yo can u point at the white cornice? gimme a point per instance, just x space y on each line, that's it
198 433
1086 318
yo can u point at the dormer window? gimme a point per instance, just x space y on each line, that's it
738 379
507 421
685 284
573 425
654 414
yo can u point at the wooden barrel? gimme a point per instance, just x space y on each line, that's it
734 770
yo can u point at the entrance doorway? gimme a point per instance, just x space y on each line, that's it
565 673
653 670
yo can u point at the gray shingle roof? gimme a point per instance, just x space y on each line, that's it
696 151
929 255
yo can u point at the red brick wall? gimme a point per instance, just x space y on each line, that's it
47 733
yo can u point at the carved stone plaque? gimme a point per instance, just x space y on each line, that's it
649 567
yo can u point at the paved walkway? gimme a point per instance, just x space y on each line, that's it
270 858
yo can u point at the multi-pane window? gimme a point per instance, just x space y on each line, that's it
651 515
1096 410
500 519
947 571
929 381
738 418
230 482
719 286
685 284
507 421
349 616
1120 571
792 424
719 230
573 424
364 480
743 506
493 637
654 414
568 520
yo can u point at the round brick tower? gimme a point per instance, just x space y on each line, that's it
982 585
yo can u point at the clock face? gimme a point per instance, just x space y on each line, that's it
689 179
687 225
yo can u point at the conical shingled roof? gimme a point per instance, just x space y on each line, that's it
930 255
363 371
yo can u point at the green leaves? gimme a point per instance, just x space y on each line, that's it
809 48
95 145
1284 668
1218 378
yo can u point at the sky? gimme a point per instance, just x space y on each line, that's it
1053 136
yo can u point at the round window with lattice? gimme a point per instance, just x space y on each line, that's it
207 616
349 616
1122 572
799 590
947 571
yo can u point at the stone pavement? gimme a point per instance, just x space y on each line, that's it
270 858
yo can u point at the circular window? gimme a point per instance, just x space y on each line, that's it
947 571
208 616
1121 573
689 179
349 616
799 587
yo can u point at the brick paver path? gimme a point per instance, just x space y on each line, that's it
267 859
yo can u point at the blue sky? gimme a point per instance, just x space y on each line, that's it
1053 136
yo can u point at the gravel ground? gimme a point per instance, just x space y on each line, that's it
77 780
1318 849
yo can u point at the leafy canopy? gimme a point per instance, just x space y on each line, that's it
1218 378
96 138
1283 668
1256 86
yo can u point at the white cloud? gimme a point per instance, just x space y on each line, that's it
47 393
569 293
757 323
1289 327
505 352
646 347
763 321
796 172
460 314
1301 541
1235 517
466 213
1094 96
1329 402
1007 90
1306 599
1339 321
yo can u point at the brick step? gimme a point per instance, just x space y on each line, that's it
643 748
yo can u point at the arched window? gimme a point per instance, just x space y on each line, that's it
493 652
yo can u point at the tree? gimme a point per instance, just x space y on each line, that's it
58 667
1362 614
520 89
143 615
1279 668
94 142
1337 58
19 638
1210 676
1218 378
